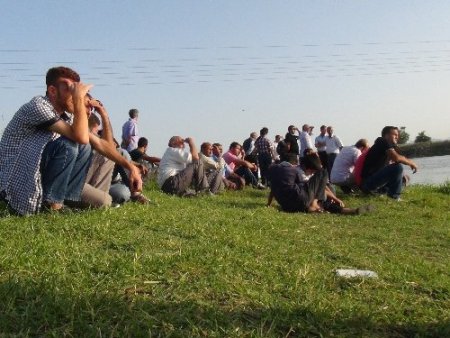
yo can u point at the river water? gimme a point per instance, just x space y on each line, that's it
432 170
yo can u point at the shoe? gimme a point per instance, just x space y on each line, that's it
259 186
140 198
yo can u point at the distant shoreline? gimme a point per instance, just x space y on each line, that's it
426 149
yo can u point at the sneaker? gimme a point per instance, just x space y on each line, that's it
259 186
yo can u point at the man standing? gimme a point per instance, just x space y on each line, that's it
333 147
179 170
305 139
382 170
321 145
130 134
264 148
292 140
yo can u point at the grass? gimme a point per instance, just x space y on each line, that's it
227 266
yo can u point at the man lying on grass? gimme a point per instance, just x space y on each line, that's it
305 190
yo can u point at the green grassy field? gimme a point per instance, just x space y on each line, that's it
227 266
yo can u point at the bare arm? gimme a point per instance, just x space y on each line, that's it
396 157
192 148
78 131
109 150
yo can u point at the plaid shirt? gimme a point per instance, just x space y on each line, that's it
263 145
21 147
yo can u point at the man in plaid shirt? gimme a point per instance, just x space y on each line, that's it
45 150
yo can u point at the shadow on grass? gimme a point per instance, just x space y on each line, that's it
38 308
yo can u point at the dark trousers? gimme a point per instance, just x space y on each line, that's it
265 160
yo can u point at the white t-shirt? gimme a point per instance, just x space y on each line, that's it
321 139
344 164
173 161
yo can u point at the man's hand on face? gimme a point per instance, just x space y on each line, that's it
77 89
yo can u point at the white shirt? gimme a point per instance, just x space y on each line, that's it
333 144
173 161
321 139
344 164
305 142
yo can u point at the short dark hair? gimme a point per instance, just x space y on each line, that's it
55 73
142 142
133 113
234 145
311 161
386 130
291 158
264 131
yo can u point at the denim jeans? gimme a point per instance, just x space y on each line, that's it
64 166
247 174
388 178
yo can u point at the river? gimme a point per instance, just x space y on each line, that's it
432 170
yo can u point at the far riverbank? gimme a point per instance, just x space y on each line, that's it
426 149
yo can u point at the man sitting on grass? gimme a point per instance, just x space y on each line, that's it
180 170
240 166
296 191
382 171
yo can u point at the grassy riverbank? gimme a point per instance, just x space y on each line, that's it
227 266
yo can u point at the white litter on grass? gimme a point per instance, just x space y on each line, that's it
352 273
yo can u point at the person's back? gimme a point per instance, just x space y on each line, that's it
344 164
376 157
284 179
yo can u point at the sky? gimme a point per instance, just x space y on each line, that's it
218 70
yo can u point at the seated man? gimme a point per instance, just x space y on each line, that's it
342 171
139 154
298 191
231 180
213 169
179 170
98 190
382 171
241 167
45 150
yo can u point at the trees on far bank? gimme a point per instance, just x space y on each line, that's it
403 136
421 137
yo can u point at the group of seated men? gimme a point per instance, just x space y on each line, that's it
52 154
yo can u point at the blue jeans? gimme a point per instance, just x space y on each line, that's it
64 166
247 174
388 178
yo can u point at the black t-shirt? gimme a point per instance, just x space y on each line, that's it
136 155
292 139
286 187
376 157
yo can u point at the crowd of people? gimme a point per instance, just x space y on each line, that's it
59 151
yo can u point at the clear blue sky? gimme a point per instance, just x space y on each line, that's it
217 70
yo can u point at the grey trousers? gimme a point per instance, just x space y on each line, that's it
191 176
98 181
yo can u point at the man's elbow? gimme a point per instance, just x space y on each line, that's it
82 139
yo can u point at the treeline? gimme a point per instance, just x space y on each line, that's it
426 149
